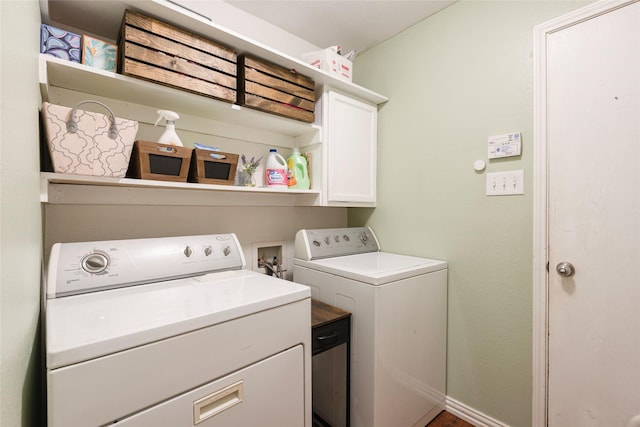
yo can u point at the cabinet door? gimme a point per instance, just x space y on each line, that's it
351 150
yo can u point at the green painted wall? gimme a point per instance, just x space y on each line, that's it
20 219
453 80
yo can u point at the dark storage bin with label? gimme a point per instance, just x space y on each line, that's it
207 167
152 160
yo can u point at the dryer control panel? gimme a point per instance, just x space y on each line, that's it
333 242
82 267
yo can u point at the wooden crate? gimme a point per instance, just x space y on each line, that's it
269 87
152 160
206 169
159 52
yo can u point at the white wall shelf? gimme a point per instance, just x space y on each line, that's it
104 19
56 72
59 188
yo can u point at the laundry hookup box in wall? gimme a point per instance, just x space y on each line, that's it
330 61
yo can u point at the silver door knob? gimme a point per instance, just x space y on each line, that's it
565 269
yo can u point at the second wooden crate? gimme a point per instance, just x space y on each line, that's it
156 51
269 87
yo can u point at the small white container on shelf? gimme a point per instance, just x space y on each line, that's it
331 62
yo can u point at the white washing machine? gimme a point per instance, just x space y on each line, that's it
399 314
173 332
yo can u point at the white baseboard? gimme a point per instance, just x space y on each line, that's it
470 415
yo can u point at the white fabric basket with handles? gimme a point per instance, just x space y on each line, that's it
86 143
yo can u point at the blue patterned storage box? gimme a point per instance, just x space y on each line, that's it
60 43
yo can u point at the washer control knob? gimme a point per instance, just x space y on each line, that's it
226 251
326 240
188 251
208 251
316 243
95 263
336 238
345 238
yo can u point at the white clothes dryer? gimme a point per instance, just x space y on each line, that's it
399 321
173 331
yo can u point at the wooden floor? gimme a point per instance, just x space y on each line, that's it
445 419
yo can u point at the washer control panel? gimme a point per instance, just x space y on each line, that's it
75 268
332 242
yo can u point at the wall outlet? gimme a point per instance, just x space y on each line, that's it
505 183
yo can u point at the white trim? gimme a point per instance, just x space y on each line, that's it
470 415
540 187
540 289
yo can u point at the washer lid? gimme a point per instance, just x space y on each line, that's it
86 326
375 268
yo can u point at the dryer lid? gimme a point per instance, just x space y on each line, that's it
90 325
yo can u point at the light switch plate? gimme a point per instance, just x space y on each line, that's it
505 183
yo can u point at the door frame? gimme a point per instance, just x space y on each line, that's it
540 359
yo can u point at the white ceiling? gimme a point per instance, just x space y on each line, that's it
353 24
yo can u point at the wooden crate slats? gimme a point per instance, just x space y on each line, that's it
278 108
274 89
156 51
178 65
178 50
169 31
280 72
190 84
273 94
255 76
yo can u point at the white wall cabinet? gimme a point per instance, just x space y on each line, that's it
344 143
350 129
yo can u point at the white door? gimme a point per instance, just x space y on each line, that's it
593 113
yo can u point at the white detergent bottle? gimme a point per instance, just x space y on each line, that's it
169 136
276 170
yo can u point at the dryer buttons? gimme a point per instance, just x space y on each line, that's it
187 251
